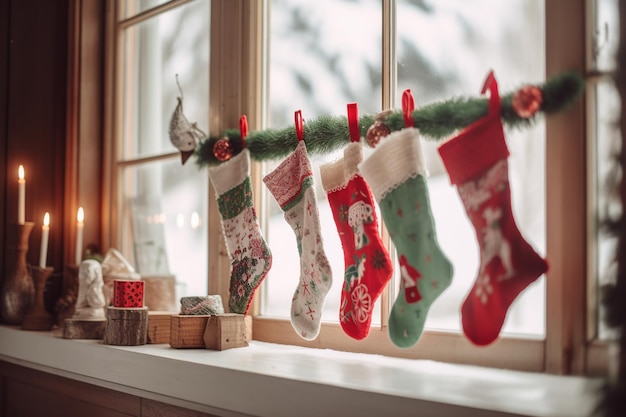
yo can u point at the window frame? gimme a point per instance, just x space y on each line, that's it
238 36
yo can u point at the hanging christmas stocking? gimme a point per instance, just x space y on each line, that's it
291 184
367 264
396 173
250 256
476 161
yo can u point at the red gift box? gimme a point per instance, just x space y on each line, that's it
128 293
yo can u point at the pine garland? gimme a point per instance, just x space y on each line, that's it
435 122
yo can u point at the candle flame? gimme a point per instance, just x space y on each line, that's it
80 216
20 172
46 219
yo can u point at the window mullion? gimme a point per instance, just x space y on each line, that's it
389 86
235 89
566 197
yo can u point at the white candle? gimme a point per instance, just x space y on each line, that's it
45 230
21 196
80 225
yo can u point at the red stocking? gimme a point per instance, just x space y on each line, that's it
476 161
367 265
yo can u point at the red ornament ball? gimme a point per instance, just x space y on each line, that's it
223 150
376 132
526 101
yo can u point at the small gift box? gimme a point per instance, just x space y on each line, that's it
128 293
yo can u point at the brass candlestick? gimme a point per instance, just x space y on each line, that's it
38 317
18 290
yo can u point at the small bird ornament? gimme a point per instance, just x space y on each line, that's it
184 135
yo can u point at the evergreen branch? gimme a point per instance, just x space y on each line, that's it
435 122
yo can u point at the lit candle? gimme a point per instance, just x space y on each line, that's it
80 225
21 195
45 229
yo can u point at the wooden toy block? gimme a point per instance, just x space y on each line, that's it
186 332
159 324
126 326
226 331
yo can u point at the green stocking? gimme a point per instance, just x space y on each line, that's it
396 175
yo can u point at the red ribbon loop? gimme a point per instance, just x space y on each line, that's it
299 122
494 97
408 105
353 122
243 129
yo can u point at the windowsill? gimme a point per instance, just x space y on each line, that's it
267 379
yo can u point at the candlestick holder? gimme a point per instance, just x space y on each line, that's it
38 317
18 290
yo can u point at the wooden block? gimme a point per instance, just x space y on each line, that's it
159 324
226 331
187 332
248 320
126 326
160 293
84 329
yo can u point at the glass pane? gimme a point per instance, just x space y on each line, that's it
164 227
131 8
607 141
605 36
156 50
164 204
318 63
445 49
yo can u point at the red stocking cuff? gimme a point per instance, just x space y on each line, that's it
480 145
475 149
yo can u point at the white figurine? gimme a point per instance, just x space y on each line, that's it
90 303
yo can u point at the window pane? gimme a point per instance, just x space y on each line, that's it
318 63
607 141
156 50
452 66
605 35
131 8
164 204
445 49
164 223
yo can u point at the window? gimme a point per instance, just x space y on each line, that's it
312 60
436 45
162 205
308 68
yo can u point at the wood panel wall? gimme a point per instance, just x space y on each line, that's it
51 55
34 82
26 392
4 51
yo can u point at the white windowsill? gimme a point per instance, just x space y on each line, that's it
266 379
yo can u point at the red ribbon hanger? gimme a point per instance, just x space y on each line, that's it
299 122
243 129
494 96
353 122
408 105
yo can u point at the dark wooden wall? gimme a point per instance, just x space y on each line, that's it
4 51
33 82
25 392
51 66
